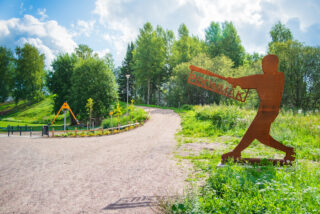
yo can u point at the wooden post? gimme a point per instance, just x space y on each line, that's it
102 130
52 131
75 131
8 130
30 131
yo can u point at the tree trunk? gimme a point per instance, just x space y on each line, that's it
159 92
148 96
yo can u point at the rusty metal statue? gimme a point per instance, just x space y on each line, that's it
270 88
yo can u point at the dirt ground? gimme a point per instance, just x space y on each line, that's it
122 173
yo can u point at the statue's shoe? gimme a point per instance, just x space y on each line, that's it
233 155
290 155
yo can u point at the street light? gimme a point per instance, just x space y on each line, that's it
128 76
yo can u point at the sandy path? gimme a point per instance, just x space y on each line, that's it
109 174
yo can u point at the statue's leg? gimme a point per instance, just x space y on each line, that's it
244 143
270 141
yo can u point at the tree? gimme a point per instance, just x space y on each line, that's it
280 33
126 68
118 113
92 78
59 79
6 73
186 47
300 65
180 92
29 75
83 51
224 39
89 107
213 39
149 59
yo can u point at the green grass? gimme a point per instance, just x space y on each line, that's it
257 189
11 105
37 114
216 122
239 189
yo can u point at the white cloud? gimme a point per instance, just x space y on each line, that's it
42 13
49 56
253 20
113 18
49 37
85 27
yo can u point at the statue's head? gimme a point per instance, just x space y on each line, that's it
270 64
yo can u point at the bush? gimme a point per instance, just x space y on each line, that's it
138 115
187 107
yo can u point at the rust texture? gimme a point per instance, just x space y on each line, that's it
270 88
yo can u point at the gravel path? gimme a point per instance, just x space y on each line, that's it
111 174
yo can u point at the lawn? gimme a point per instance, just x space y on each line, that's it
37 114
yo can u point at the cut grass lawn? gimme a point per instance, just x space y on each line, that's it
37 114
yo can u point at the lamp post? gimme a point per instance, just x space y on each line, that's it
128 76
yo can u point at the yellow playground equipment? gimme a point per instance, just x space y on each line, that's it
65 107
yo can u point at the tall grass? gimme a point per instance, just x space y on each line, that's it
266 189
239 189
301 131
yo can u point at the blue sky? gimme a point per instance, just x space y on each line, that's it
107 26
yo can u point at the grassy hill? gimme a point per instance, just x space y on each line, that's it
37 114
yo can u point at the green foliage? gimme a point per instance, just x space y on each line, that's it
186 47
180 92
92 78
59 79
126 68
118 113
225 40
280 33
137 115
131 109
89 107
300 65
6 73
29 74
83 51
150 60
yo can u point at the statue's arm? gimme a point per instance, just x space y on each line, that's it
246 82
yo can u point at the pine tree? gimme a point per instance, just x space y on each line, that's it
126 69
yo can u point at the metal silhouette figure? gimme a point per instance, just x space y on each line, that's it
270 88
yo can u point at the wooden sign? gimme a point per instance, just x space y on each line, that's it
201 78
